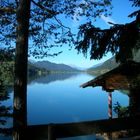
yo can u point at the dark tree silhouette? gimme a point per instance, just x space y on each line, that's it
46 28
6 55
4 110
120 39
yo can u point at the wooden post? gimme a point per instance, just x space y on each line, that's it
51 132
110 110
110 105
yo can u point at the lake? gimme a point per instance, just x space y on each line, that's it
58 98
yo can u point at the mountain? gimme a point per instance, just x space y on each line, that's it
77 67
97 65
33 70
110 64
53 66
7 72
104 67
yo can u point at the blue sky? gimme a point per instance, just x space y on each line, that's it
121 9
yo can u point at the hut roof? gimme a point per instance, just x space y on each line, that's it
124 76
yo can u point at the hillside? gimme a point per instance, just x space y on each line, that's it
109 65
106 66
53 66
7 72
33 70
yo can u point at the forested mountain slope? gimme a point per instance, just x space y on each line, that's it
110 64
53 66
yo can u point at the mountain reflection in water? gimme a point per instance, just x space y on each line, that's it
53 77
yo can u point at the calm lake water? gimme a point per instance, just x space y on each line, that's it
58 98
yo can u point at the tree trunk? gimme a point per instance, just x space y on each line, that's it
21 60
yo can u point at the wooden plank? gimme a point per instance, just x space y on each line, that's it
84 128
51 132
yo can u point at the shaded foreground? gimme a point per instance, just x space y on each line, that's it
129 125
83 128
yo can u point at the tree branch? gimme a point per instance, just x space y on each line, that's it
60 23
7 10
44 8
51 12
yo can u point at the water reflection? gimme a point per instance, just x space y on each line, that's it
101 129
53 77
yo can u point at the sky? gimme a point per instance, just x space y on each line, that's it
121 10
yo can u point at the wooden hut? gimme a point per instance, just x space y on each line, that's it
125 76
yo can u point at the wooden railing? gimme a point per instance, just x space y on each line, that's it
54 131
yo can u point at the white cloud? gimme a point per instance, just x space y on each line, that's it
107 20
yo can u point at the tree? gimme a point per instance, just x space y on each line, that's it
4 110
46 28
120 39
6 55
39 20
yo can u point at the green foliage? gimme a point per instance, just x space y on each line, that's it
7 66
6 55
46 28
7 72
120 40
121 111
